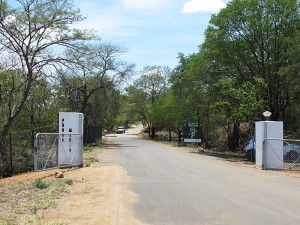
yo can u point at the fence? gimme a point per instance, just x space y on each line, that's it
289 156
58 150
16 153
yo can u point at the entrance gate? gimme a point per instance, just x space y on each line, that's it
290 154
53 150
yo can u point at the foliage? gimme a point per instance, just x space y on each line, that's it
146 90
41 184
89 81
250 39
240 103
47 25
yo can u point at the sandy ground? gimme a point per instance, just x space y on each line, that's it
98 196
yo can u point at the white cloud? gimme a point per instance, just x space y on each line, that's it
211 6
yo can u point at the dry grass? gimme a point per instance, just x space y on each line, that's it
23 202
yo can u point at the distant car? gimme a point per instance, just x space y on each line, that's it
120 130
290 151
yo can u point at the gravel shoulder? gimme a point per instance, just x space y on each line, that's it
98 196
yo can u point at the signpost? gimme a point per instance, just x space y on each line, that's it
192 132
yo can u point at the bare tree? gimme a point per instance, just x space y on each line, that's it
30 31
89 69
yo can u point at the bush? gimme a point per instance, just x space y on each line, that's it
41 184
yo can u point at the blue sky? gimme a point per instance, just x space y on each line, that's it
153 31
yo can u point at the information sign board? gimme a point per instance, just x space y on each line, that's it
192 132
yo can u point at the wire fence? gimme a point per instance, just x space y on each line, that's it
283 152
16 153
54 150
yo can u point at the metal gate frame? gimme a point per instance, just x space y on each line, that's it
290 153
55 150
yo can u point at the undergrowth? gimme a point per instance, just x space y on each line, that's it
24 202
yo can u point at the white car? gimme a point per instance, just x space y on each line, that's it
120 130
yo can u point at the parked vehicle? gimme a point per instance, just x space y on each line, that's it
290 151
120 130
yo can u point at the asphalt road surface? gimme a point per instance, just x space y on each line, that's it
177 187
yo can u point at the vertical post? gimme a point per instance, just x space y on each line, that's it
35 157
264 149
10 154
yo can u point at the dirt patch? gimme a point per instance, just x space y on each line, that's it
98 196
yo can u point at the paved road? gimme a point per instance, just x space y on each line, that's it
176 187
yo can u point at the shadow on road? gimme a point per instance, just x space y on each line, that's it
232 157
114 146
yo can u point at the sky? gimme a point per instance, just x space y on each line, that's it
153 31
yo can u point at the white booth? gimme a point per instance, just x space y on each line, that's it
269 144
70 146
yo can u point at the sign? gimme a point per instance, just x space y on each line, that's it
192 132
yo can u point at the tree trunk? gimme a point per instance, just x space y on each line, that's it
153 133
170 134
234 138
179 135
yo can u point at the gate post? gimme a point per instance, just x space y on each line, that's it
269 144
35 157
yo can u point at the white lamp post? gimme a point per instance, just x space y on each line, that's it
267 115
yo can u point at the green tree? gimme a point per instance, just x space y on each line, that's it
236 104
191 83
166 114
250 39
137 105
153 82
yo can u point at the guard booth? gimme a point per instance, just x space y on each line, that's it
269 144
70 145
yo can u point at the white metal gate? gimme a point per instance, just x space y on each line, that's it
54 150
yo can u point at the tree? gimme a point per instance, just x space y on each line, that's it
153 83
234 105
250 39
191 81
90 69
30 32
137 105
166 114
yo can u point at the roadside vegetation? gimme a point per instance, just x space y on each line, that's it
23 202
247 64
